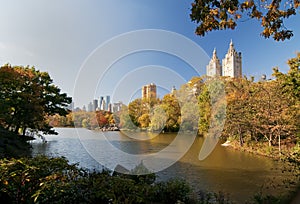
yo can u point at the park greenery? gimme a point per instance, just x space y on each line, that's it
220 15
54 180
258 113
257 116
27 97
260 116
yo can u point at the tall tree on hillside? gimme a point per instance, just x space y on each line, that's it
239 110
204 111
274 117
289 87
290 81
173 112
27 97
220 15
212 106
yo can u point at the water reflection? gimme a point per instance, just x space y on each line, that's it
237 173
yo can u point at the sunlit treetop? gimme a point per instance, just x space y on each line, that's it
225 14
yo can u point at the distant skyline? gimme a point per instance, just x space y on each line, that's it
58 36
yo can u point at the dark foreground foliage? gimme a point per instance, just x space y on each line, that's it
53 180
13 145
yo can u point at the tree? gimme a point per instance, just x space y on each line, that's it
144 120
125 119
204 111
139 111
136 109
158 118
273 117
101 119
212 107
173 112
289 87
187 99
27 97
239 113
291 80
220 15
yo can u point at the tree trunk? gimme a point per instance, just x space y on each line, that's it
24 131
17 129
279 145
241 137
270 140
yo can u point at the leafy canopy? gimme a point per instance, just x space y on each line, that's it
224 14
27 96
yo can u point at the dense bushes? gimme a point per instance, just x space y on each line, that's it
12 145
53 180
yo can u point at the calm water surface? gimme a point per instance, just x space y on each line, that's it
239 174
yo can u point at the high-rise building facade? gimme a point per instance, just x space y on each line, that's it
107 102
101 98
149 91
214 67
95 104
90 107
103 105
231 64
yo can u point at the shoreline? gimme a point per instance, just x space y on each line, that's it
261 149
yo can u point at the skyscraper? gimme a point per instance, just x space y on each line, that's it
90 107
100 101
95 104
107 102
103 105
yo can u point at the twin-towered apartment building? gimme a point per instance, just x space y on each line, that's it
231 64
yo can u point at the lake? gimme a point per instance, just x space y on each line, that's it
239 174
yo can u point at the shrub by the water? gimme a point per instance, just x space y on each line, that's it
53 180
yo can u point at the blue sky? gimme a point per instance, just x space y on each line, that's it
58 36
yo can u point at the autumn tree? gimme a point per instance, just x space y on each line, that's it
157 118
289 88
273 117
239 113
136 109
27 96
173 112
204 111
212 107
102 118
264 110
187 99
144 120
220 15
290 82
125 119
139 111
